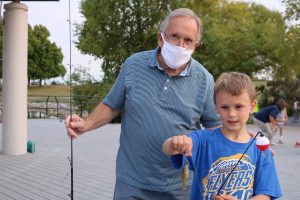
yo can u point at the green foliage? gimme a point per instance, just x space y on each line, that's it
86 91
292 11
292 16
239 37
86 96
44 57
276 90
290 56
115 29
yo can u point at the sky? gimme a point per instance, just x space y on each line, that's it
271 4
54 16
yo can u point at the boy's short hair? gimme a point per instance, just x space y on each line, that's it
235 83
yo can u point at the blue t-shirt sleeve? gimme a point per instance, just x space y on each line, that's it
195 136
266 178
178 160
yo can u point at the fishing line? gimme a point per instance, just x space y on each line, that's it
70 79
191 161
238 162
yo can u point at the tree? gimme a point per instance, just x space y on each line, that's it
239 37
292 11
291 55
292 15
277 89
115 29
44 57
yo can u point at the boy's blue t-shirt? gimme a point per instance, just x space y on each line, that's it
214 156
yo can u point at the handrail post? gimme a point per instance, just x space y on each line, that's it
56 106
47 105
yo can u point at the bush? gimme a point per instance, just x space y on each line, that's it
275 90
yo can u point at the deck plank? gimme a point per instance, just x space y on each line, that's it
45 174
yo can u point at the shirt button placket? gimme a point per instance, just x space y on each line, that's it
165 89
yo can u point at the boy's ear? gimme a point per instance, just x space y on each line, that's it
253 104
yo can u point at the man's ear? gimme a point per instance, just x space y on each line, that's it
159 40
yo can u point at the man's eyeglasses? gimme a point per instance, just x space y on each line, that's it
175 39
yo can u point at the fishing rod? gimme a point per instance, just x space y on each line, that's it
219 190
262 144
70 79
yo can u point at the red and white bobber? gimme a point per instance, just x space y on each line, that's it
262 143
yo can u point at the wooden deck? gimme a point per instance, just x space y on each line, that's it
45 174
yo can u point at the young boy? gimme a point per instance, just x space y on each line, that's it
214 153
282 120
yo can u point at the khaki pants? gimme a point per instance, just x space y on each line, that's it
266 128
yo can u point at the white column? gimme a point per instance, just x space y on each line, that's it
15 43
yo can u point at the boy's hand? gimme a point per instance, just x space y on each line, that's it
182 144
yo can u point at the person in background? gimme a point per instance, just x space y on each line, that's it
282 120
212 154
265 119
162 93
297 144
296 109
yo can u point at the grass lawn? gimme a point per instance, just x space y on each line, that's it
41 93
64 90
49 90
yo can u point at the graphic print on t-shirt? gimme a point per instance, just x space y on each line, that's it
240 182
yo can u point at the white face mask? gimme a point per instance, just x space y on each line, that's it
175 56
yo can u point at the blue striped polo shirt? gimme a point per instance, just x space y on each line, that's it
156 107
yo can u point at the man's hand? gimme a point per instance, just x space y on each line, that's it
75 125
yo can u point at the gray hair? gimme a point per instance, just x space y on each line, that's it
182 12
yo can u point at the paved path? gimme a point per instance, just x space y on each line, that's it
46 173
287 160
